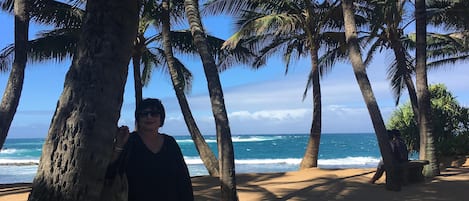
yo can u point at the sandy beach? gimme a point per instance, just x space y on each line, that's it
314 184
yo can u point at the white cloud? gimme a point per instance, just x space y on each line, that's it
278 115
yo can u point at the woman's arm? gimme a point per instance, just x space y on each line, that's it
122 136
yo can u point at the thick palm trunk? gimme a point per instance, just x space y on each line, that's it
208 157
310 159
367 92
78 147
12 94
427 147
225 144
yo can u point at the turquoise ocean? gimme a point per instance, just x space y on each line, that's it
253 153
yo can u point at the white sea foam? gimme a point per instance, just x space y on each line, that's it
349 162
254 138
16 174
238 139
18 162
8 151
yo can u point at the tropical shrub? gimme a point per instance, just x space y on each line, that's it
450 124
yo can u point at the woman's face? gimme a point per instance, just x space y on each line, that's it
149 119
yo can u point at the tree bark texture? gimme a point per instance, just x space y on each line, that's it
225 144
310 159
137 79
78 147
427 147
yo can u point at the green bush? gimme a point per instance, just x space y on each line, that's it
450 124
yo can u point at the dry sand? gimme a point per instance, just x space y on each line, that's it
314 184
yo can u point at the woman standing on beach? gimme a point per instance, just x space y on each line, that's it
153 162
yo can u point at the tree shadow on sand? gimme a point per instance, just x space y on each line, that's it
451 185
9 189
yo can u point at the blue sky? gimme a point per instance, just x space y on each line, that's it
264 101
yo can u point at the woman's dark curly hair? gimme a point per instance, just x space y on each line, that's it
151 103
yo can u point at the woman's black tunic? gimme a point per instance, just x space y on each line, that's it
157 177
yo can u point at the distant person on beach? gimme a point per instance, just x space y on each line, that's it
152 161
399 150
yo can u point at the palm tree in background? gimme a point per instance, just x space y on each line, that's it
293 29
225 144
427 147
387 25
12 93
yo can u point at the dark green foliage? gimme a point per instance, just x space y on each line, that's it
450 124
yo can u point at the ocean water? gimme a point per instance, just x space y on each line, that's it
253 153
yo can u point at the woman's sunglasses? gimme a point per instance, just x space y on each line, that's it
146 113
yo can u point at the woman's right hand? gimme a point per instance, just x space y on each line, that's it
122 136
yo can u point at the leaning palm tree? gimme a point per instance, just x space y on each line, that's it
368 95
427 147
290 28
225 144
178 80
12 93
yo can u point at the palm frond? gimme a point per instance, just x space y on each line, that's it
451 60
396 77
185 76
57 13
447 47
285 45
229 7
309 84
449 14
331 57
152 58
7 5
254 23
7 56
57 44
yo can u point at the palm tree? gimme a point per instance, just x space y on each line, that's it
177 78
12 93
290 27
427 147
78 147
368 95
225 144
387 25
